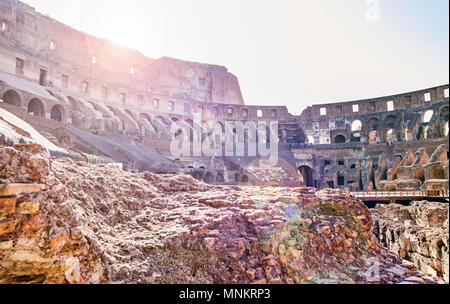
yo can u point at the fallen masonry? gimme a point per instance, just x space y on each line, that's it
418 233
76 222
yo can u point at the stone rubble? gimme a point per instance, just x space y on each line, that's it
75 222
418 233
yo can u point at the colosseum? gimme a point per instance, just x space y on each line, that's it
109 104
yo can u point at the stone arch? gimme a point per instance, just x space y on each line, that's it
57 113
243 178
306 176
339 139
36 107
175 119
372 124
356 125
437 172
162 120
12 97
427 116
389 122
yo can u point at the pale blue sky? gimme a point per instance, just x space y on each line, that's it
284 52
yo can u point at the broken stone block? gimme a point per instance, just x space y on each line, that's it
7 206
16 189
28 207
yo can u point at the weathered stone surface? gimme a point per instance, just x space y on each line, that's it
436 184
8 227
28 207
7 206
207 234
418 233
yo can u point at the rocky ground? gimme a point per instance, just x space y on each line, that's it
418 233
66 221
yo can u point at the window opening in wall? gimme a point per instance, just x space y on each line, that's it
230 111
356 125
64 81
42 77
310 140
341 178
156 103
355 108
446 129
123 98
52 45
20 63
446 93
5 26
323 111
340 139
330 184
427 116
94 59
390 105
353 166
244 112
341 163
215 112
259 113
171 106
132 70
339 110
427 97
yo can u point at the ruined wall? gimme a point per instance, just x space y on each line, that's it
72 58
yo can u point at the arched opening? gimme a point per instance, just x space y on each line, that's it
340 178
36 107
161 120
372 124
12 97
356 131
356 125
389 122
175 119
427 116
243 179
339 139
305 176
437 172
56 114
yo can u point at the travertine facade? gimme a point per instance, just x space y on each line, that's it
90 94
